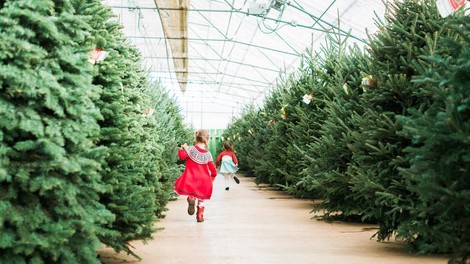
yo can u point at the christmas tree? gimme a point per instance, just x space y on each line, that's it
408 33
168 130
439 157
329 154
84 159
308 97
130 170
267 137
390 143
49 166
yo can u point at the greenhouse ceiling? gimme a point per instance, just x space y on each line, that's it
217 56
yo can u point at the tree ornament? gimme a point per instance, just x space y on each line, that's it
97 55
283 112
147 112
345 88
307 98
368 82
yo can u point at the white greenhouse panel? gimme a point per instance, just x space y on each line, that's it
235 55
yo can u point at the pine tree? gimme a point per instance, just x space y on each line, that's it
141 126
439 157
276 128
254 128
409 31
130 167
267 137
49 172
392 145
330 153
168 130
305 118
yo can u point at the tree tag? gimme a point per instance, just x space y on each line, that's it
447 7
97 55
307 98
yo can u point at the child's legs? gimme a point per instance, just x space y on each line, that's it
227 178
200 203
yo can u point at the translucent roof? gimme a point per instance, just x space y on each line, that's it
225 54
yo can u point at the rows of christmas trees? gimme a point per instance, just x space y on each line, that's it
380 135
87 143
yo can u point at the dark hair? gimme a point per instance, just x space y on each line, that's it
228 146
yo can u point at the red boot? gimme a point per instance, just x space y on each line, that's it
200 214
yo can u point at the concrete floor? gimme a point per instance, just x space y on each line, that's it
256 224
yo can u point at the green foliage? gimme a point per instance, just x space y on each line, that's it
385 139
274 149
305 119
49 165
169 131
408 33
439 157
130 170
141 158
81 164
330 152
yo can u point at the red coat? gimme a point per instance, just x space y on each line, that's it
228 153
196 180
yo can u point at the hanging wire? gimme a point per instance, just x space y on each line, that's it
234 8
324 12
221 55
340 31
223 46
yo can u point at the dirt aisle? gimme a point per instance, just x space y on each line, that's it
254 224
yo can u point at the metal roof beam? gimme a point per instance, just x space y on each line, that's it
216 73
232 84
222 40
215 59
239 95
342 32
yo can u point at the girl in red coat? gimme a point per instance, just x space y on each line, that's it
196 180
